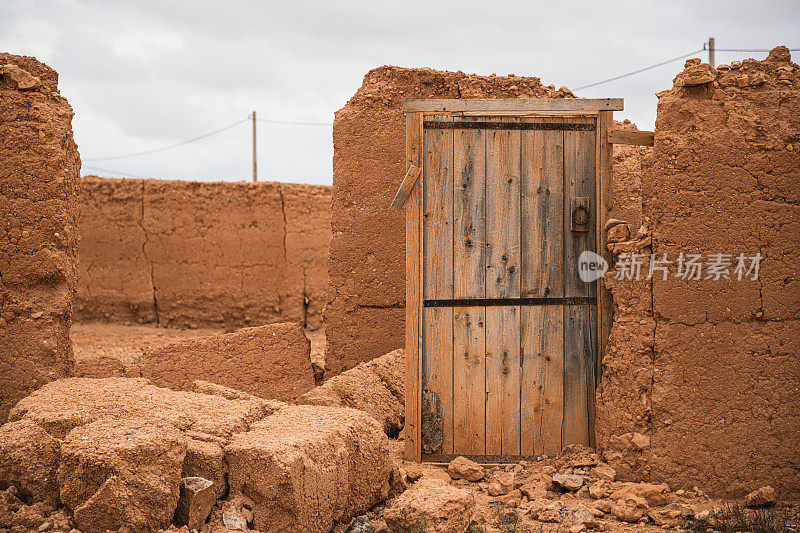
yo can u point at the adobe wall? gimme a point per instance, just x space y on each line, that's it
39 172
365 314
705 389
197 254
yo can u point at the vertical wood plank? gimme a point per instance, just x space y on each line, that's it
503 212
577 362
502 281
413 214
469 280
605 200
580 168
502 380
469 217
439 368
469 379
542 207
437 176
438 272
542 339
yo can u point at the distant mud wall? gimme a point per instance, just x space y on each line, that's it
39 171
194 254
365 315
701 382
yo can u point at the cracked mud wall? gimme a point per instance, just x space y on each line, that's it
202 254
722 406
39 172
365 314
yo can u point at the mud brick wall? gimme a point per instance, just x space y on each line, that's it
365 314
39 172
712 397
193 254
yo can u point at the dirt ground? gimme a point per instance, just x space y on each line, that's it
128 342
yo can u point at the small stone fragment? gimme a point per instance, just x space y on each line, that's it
18 78
237 512
639 441
413 471
570 482
195 501
695 75
361 524
763 497
501 483
463 468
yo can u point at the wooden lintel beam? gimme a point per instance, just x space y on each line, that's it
516 105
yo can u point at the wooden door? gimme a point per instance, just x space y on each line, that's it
508 329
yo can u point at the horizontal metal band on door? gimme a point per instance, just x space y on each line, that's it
550 126
496 302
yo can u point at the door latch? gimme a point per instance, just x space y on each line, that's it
579 207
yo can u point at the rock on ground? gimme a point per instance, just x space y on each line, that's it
62 405
431 505
271 361
376 387
763 497
117 473
463 468
28 461
307 468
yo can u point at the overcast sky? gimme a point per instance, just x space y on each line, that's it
146 74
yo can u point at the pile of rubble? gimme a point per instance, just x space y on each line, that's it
574 492
110 453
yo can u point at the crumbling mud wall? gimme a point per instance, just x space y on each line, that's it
365 314
718 402
39 171
197 254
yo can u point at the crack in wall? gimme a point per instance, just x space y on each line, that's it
146 258
285 255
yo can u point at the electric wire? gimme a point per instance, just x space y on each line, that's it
638 71
168 147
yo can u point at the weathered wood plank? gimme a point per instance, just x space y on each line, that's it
542 340
604 313
635 138
438 212
502 380
503 160
577 370
517 105
413 214
469 214
542 207
438 370
580 168
409 180
469 380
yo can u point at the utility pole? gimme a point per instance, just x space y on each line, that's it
711 52
255 167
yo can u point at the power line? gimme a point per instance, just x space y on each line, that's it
109 171
175 145
641 70
293 123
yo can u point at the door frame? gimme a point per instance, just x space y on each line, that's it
414 111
